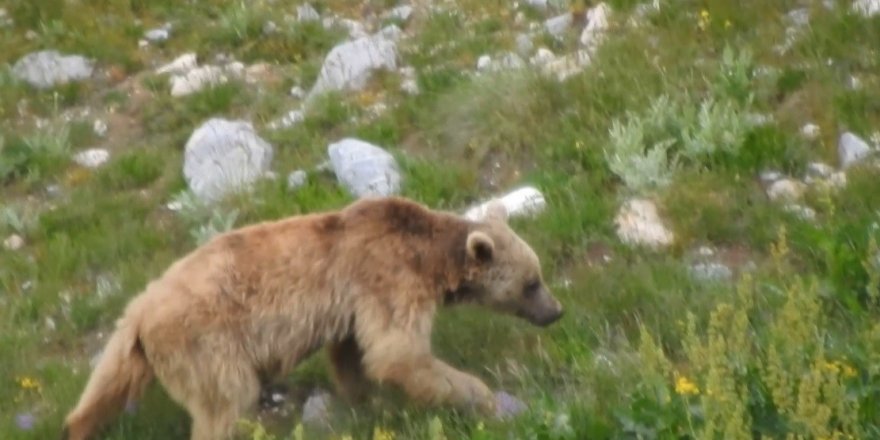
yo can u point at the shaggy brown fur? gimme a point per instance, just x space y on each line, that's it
365 281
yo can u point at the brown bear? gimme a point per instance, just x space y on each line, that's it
365 280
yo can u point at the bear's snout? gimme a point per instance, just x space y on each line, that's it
543 310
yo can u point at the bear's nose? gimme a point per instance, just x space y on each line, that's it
551 317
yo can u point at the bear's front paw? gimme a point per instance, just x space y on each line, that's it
507 405
477 395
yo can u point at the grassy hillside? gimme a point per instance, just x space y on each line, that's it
759 319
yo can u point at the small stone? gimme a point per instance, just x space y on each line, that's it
542 57
785 190
292 118
180 65
307 12
508 405
13 243
799 17
50 324
802 212
810 131
483 62
157 35
355 28
409 83
711 271
538 4
315 409
99 127
197 79
49 68
297 92
638 223
297 179
524 45
851 149
92 158
769 176
401 13
819 170
557 26
269 27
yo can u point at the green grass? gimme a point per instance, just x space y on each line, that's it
637 324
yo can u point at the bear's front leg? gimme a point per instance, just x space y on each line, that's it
405 360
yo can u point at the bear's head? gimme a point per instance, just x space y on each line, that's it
504 273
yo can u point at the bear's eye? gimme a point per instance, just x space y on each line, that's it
532 288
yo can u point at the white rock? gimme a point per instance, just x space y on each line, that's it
307 12
770 176
91 158
292 118
197 79
391 32
851 149
315 408
785 190
483 62
48 68
401 13
157 35
409 83
868 8
524 45
819 170
524 201
13 243
99 127
355 28
539 4
564 67
269 27
542 57
799 17
810 131
222 156
364 169
297 92
350 65
711 271
597 25
638 223
297 179
180 65
802 212
557 26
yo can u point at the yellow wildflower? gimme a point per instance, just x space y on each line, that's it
727 24
684 386
382 434
28 383
703 21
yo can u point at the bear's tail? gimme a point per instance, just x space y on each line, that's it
119 378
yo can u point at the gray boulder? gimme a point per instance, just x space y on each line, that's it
350 65
48 68
364 169
851 149
222 156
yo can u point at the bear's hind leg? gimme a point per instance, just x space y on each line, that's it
348 371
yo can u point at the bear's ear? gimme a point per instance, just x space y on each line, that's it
480 246
495 210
